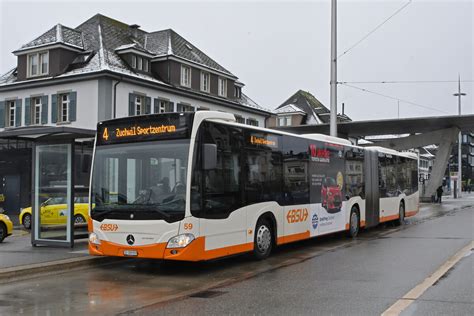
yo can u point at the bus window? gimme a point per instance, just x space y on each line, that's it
219 187
263 168
354 183
295 170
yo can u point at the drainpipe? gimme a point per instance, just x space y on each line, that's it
115 97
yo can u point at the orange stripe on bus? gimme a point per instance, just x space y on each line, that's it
90 227
294 237
388 218
410 213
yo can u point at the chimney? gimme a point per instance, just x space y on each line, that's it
134 30
343 108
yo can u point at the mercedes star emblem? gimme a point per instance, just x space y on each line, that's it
130 240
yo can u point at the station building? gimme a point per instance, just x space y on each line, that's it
68 79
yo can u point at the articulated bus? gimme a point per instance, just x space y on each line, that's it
199 186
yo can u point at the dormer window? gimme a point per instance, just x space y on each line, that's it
38 64
140 63
205 81
222 87
237 92
186 76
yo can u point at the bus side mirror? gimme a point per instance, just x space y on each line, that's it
209 157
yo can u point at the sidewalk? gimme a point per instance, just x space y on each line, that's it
19 259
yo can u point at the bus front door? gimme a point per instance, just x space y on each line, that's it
371 166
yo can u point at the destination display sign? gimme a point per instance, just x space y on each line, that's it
144 128
262 139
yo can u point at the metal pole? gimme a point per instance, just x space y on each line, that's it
459 95
333 82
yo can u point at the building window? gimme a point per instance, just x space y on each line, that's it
36 110
237 92
140 63
10 114
185 107
239 119
139 105
186 76
205 81
145 65
252 122
38 64
222 87
134 61
63 109
163 106
284 121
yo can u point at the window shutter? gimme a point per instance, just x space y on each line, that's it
2 113
72 106
54 108
148 105
18 113
27 111
44 109
170 107
131 104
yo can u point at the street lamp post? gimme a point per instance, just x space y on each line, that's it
459 94
333 82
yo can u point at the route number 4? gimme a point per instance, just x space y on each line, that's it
105 135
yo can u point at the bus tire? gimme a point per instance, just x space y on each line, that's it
354 223
263 239
401 214
3 232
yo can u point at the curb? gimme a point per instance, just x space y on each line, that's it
52 267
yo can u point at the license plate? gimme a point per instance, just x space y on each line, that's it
131 253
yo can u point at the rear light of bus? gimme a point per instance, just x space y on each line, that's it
94 239
180 241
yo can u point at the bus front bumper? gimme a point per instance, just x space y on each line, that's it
193 252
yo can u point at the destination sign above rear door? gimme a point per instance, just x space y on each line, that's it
144 128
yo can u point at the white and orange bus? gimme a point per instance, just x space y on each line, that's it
199 186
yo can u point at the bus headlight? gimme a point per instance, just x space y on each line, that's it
180 241
94 239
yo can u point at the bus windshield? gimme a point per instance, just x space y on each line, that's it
143 180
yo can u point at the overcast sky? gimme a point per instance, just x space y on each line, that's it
276 47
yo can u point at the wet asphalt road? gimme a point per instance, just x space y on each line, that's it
330 275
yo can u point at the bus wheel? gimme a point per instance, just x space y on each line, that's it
354 223
401 215
263 240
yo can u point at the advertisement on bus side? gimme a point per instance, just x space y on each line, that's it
326 186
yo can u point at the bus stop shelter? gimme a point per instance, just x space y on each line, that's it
61 157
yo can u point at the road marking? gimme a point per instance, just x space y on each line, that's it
418 290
